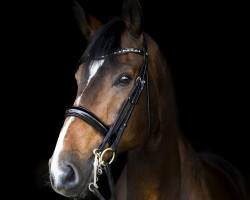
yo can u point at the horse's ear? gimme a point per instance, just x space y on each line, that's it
88 24
132 15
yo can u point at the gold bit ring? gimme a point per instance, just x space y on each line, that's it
101 161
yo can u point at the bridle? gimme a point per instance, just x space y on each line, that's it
113 134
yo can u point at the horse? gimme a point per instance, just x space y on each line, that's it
125 103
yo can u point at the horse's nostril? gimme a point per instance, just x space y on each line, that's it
69 178
71 175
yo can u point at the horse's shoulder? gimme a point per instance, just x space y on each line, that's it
222 173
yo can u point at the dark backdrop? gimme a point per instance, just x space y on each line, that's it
204 44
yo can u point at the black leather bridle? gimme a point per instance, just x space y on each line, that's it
113 134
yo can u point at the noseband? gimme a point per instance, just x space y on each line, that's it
113 134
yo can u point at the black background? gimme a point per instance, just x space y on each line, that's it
205 44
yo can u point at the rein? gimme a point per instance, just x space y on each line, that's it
113 134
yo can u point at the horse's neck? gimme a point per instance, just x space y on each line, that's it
154 169
162 169
164 173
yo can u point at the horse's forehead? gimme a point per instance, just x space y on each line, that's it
128 41
93 69
94 66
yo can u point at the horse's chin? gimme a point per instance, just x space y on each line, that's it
84 191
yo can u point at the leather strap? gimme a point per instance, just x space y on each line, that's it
89 117
110 180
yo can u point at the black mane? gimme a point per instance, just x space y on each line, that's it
106 41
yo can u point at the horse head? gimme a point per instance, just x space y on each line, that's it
111 111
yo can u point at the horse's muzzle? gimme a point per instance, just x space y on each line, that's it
67 179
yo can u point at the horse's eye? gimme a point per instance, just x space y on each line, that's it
124 79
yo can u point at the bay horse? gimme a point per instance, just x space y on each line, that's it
125 104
